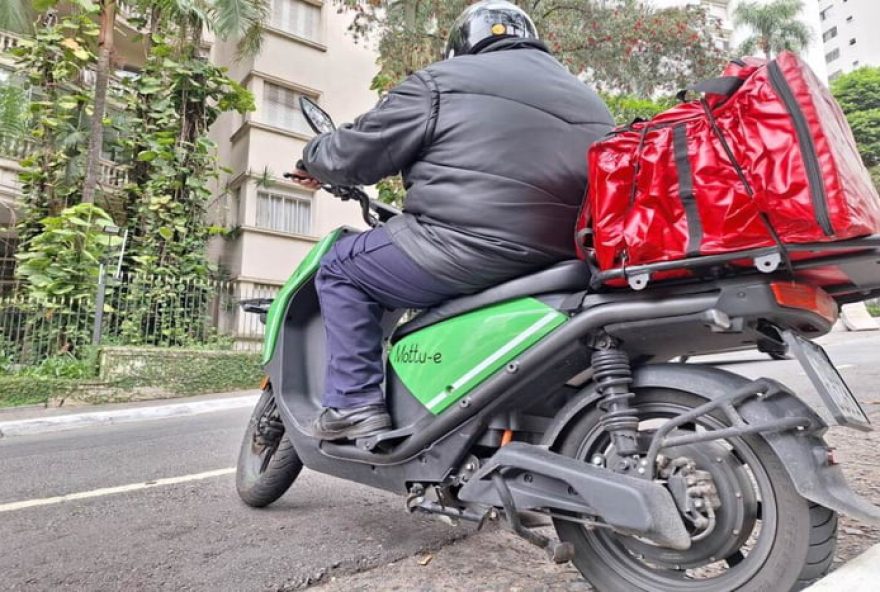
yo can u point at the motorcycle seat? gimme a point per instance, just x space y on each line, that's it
565 277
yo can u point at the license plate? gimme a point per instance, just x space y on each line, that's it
829 383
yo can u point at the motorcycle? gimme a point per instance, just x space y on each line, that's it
547 396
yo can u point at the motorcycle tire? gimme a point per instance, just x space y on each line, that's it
264 473
800 535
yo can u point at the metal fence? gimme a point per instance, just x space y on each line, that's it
138 310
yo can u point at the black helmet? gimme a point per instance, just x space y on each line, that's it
486 22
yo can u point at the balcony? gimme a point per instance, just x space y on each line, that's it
8 41
111 176
14 148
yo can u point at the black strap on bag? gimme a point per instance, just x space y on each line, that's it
723 85
637 166
686 190
765 219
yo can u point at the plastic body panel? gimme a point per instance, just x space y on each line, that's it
304 271
444 362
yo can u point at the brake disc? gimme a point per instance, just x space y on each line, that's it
734 517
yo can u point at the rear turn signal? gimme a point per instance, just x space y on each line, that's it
805 297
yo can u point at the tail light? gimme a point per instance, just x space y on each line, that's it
806 297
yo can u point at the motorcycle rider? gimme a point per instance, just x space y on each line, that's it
491 143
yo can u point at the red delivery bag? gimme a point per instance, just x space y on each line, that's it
764 158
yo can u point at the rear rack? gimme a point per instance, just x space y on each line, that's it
858 258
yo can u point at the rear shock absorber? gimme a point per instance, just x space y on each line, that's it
613 375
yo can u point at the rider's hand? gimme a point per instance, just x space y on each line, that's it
304 179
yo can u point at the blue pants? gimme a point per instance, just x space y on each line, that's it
359 277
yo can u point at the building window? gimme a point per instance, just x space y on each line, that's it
835 75
829 34
284 213
297 17
281 109
852 41
856 64
849 19
831 56
826 13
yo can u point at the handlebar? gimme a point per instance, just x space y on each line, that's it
374 212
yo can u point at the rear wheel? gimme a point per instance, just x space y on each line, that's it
763 535
267 462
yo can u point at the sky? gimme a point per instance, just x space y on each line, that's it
815 56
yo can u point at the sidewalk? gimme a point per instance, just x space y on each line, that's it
21 421
859 575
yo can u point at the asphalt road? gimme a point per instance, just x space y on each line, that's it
196 535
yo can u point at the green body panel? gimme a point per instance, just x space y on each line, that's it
304 271
442 363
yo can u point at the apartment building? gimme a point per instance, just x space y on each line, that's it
719 16
848 35
306 51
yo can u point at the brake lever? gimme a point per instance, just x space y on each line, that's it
295 177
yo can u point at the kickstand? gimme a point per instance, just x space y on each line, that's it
559 552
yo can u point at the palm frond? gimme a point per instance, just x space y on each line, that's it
16 15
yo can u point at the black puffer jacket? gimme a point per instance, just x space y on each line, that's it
492 148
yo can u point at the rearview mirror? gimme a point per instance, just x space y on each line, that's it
317 118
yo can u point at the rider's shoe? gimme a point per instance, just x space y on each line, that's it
358 422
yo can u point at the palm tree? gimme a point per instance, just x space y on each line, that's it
774 27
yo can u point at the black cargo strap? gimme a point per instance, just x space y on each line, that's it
686 190
637 167
724 85
765 219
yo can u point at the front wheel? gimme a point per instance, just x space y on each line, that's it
267 462
762 536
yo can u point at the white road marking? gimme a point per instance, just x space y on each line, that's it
58 423
48 501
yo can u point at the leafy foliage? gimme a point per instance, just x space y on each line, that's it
14 110
159 135
170 107
626 108
62 260
859 96
774 26
621 47
53 63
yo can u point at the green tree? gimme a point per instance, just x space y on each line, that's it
187 19
774 27
626 108
62 261
859 96
624 47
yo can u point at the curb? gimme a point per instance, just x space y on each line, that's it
42 425
859 575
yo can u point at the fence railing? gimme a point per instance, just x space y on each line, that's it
15 147
138 310
8 41
111 175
